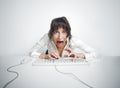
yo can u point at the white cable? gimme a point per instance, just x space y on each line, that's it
73 76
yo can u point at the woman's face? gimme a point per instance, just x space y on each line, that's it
59 37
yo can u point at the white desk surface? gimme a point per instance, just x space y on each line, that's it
104 73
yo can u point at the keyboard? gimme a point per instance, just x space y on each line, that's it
60 61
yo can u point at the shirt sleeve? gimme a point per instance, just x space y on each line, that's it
39 47
88 51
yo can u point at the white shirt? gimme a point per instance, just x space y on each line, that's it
76 44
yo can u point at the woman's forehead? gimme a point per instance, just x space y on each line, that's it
60 29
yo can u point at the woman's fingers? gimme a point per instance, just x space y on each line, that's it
54 55
68 49
72 55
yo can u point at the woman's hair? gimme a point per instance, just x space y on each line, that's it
60 22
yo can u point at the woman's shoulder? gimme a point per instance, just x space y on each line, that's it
44 38
45 35
75 38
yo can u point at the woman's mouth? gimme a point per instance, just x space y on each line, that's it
60 43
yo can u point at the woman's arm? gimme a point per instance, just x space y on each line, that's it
88 51
39 47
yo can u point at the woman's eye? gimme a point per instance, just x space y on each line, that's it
56 32
64 31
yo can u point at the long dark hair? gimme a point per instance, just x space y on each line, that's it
60 22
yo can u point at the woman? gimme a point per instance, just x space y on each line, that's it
60 43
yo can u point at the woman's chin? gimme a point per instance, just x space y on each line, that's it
60 45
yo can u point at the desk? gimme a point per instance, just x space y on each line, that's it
99 74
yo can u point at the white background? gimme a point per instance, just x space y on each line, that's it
23 22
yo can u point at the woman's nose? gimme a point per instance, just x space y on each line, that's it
60 35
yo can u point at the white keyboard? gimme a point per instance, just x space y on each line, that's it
60 61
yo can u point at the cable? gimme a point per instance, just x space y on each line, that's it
17 74
74 77
25 60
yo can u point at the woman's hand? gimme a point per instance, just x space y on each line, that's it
73 54
49 56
